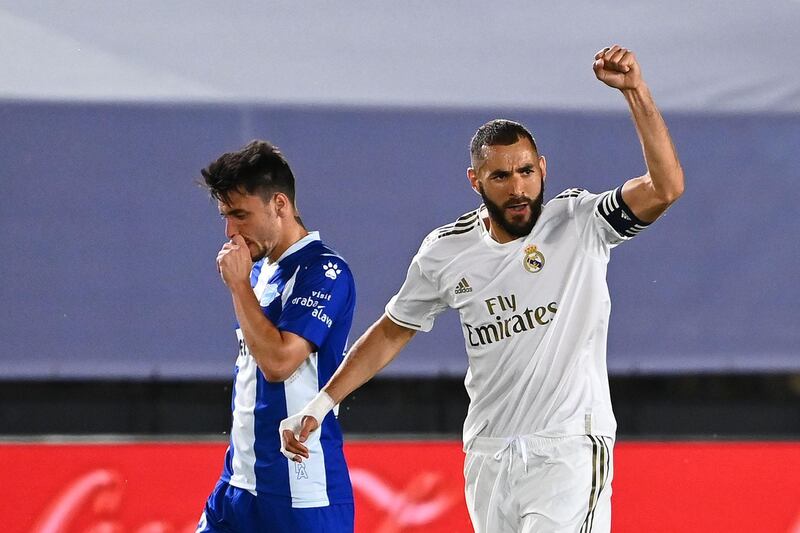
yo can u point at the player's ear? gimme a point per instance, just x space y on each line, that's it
473 180
281 202
543 166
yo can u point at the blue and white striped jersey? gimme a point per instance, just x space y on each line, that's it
309 291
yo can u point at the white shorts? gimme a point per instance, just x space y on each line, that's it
543 485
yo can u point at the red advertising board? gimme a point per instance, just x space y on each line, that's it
400 487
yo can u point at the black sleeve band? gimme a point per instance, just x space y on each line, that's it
617 213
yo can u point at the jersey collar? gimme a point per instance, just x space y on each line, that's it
302 243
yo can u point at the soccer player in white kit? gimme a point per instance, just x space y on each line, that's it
529 283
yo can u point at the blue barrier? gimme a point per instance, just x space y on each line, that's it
109 245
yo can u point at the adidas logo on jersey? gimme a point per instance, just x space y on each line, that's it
625 216
463 287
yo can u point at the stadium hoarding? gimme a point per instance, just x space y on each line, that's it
400 486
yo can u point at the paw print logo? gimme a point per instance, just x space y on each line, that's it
331 270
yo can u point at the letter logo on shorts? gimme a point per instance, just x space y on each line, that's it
300 470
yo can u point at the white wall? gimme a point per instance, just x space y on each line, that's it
705 56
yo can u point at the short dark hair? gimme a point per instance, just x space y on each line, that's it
498 132
258 168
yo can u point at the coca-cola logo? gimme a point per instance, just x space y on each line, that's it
423 500
95 498
98 495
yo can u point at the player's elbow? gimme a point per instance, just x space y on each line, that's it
276 373
676 191
677 184
670 190
276 366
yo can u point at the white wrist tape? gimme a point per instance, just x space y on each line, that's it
318 407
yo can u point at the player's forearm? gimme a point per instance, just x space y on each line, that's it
370 353
263 339
660 155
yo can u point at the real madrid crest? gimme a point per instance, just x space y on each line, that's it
533 260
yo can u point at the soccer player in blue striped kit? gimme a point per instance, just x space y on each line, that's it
293 297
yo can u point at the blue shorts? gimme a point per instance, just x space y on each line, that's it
234 510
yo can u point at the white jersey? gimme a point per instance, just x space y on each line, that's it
534 314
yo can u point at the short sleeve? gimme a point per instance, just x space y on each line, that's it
418 302
316 298
605 220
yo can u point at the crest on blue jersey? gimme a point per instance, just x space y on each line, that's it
331 270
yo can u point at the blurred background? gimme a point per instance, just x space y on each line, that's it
116 340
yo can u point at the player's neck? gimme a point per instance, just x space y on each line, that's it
294 232
497 232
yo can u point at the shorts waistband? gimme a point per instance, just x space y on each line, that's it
492 445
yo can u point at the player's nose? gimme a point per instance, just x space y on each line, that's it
517 185
230 228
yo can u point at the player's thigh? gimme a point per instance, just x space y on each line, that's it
227 510
210 525
334 518
598 516
596 521
486 494
570 490
281 516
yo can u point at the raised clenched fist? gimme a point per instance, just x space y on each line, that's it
617 67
